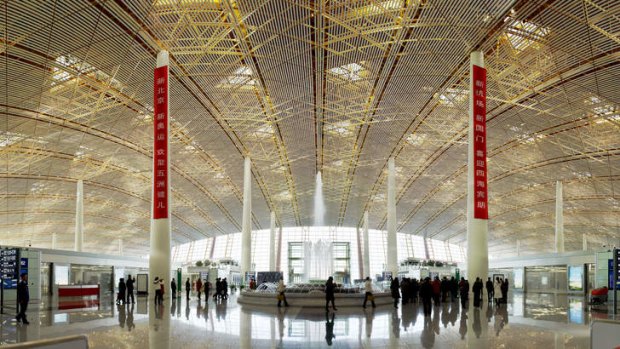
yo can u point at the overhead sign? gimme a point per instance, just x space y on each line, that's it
160 144
481 209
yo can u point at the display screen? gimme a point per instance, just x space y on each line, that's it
575 278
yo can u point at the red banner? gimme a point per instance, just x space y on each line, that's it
481 206
160 144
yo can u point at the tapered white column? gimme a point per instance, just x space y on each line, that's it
392 258
54 241
79 216
477 228
366 248
159 256
272 243
585 242
246 227
559 218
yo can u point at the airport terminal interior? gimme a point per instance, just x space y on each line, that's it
309 173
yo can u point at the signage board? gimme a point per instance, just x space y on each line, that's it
9 267
481 209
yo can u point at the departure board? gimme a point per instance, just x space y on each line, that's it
9 267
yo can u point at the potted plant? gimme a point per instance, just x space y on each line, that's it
199 263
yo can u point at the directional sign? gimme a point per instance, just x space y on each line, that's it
9 267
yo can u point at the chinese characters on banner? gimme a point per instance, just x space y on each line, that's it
160 144
481 209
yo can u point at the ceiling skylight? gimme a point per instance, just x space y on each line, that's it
351 72
242 77
523 34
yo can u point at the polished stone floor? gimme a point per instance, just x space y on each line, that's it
531 321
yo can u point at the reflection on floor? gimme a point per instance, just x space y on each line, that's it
532 321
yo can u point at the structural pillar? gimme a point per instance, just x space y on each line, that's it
559 218
79 216
477 201
392 258
54 241
366 247
159 256
272 243
246 227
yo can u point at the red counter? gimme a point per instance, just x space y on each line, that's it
78 290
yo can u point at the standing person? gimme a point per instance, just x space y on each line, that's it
188 287
157 289
464 291
161 291
426 293
368 295
445 289
281 288
120 299
329 293
23 297
173 289
198 288
489 287
497 291
436 284
505 291
394 287
404 290
218 288
129 285
477 289
454 288
225 288
207 285
415 288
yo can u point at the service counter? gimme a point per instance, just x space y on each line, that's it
314 299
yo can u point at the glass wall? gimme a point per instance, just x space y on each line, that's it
547 279
229 246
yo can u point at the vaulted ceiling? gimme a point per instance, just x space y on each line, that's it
302 86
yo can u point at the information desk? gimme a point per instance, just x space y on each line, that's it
78 290
313 299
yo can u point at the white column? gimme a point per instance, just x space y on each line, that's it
366 248
585 242
272 243
246 228
120 247
559 218
477 229
79 217
392 258
159 256
54 241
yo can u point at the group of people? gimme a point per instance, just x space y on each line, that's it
437 291
125 290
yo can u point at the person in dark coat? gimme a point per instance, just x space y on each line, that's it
426 293
121 291
505 290
173 288
489 287
404 290
188 287
23 297
454 288
415 288
198 288
129 283
329 293
477 289
436 284
445 289
464 291
395 288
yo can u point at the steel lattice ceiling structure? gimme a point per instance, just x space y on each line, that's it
304 86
